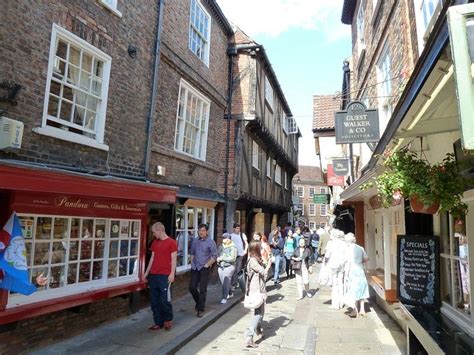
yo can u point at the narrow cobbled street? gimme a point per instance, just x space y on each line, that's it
308 326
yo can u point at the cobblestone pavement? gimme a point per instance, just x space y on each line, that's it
307 326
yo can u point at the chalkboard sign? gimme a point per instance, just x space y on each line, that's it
418 270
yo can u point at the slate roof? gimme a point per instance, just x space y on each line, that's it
324 108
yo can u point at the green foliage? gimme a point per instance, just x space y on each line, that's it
406 174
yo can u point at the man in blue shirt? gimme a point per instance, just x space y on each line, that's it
203 255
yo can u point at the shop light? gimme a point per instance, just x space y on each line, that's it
432 97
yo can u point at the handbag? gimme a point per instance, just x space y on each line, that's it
296 265
254 300
241 276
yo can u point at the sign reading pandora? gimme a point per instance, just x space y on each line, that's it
357 124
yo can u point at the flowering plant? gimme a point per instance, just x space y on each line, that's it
411 177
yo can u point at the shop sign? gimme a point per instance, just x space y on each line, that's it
64 204
321 199
461 33
333 179
357 125
341 166
418 270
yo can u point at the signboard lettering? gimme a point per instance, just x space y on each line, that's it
418 270
341 166
357 124
321 199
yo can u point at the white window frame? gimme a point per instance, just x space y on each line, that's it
360 27
312 209
278 174
64 134
300 193
208 215
424 25
269 167
79 287
200 140
111 5
384 88
300 207
256 155
323 210
324 190
193 29
312 225
312 191
268 92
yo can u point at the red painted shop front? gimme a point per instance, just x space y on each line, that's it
86 234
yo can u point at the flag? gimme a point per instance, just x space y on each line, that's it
13 258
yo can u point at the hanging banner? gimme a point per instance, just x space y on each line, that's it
341 166
357 125
333 179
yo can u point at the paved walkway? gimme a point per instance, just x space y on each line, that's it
302 327
291 327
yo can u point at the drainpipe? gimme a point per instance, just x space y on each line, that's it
154 79
346 99
231 53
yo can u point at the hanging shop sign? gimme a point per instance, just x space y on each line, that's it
461 33
418 270
321 199
333 179
357 125
341 166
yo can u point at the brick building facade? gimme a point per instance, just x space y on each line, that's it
308 182
102 157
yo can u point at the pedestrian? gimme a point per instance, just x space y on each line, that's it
226 263
301 264
276 244
324 237
297 235
264 247
314 244
335 256
203 255
288 250
357 289
306 235
256 280
160 274
240 241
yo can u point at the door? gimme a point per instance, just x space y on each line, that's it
379 250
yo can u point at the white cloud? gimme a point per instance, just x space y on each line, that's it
273 17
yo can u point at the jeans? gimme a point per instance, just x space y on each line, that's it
199 278
256 320
225 274
289 268
276 274
238 267
314 255
161 308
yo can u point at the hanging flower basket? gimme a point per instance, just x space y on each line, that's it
419 207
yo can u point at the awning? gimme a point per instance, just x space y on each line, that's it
27 177
199 193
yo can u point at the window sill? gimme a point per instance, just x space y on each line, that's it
70 137
111 9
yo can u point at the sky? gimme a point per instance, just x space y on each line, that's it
306 44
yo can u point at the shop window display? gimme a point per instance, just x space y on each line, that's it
72 251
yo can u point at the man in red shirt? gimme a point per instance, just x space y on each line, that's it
160 274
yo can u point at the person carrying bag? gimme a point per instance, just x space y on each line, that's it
255 294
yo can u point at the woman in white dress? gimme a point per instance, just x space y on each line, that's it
357 289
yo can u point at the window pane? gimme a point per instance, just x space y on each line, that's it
66 109
113 253
132 266
41 256
73 250
57 277
100 228
84 272
72 274
58 255
98 249
75 228
446 295
123 267
114 229
60 228
112 269
134 247
124 248
87 228
97 270
86 249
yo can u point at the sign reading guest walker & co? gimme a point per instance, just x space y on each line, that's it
357 125
418 270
